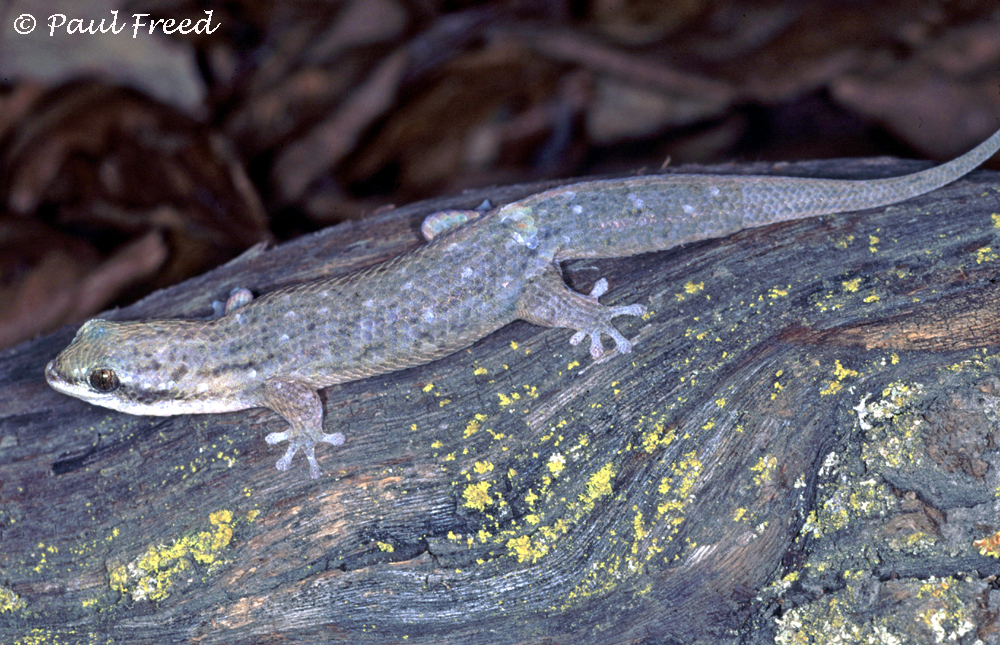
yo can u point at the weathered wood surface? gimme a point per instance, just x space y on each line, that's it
804 444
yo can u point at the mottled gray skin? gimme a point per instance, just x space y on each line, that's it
470 280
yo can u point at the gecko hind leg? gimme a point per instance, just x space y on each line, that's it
300 405
547 301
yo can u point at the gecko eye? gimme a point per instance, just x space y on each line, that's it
104 380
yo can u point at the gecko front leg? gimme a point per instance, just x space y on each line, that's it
300 405
547 301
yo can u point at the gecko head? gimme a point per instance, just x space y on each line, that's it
116 365
88 369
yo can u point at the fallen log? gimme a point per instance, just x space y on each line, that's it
804 442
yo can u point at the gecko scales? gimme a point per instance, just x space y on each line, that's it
479 272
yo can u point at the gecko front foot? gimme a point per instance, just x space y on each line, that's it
602 323
308 446
300 405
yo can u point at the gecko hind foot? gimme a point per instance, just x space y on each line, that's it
604 326
548 301
308 446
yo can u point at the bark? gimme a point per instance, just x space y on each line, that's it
802 446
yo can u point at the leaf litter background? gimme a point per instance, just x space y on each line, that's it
130 164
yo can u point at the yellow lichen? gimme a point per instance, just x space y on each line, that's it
693 287
506 401
778 387
151 575
840 373
985 254
832 388
852 285
556 463
477 496
659 437
764 468
599 484
525 549
844 242
10 601
690 289
473 426
676 489
639 528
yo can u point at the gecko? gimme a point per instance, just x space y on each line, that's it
477 273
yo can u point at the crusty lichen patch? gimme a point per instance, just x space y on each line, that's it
846 501
764 470
937 610
830 621
875 523
893 436
848 493
62 636
895 398
151 575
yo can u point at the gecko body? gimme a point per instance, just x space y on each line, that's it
478 273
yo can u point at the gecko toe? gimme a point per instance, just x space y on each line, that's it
286 460
596 346
314 470
333 438
622 344
599 289
627 310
